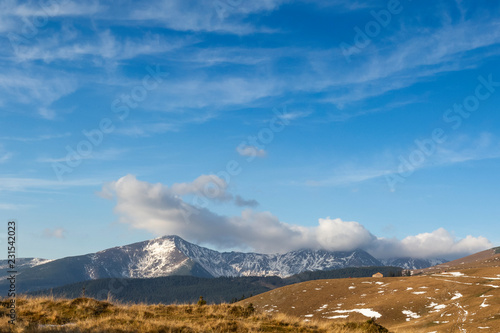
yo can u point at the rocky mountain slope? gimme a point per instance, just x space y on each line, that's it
412 263
171 255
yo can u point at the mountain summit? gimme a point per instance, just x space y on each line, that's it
171 255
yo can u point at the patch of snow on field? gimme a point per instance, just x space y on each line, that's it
483 327
321 308
378 282
491 285
419 292
308 315
484 305
457 296
455 274
436 307
410 314
336 317
409 288
352 287
491 278
365 312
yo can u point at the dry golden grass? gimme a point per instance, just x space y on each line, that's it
88 315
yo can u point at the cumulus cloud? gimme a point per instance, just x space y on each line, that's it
161 210
209 186
251 151
438 243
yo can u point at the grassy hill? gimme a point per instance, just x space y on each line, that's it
89 315
460 296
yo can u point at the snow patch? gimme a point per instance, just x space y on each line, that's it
484 305
455 274
410 314
321 308
365 312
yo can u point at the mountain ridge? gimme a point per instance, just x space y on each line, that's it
172 255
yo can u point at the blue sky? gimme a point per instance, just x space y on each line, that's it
267 125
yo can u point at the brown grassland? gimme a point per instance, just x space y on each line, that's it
460 296
89 315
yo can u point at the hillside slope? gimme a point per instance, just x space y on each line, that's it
460 299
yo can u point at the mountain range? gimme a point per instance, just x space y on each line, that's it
171 255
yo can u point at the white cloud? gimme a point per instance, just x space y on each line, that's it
335 234
435 244
8 206
158 209
251 151
146 130
103 155
36 86
104 46
209 16
208 186
54 233
42 137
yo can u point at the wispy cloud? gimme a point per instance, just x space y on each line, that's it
251 151
105 46
9 206
54 233
204 16
461 149
146 130
42 137
15 184
4 157
37 87
104 155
